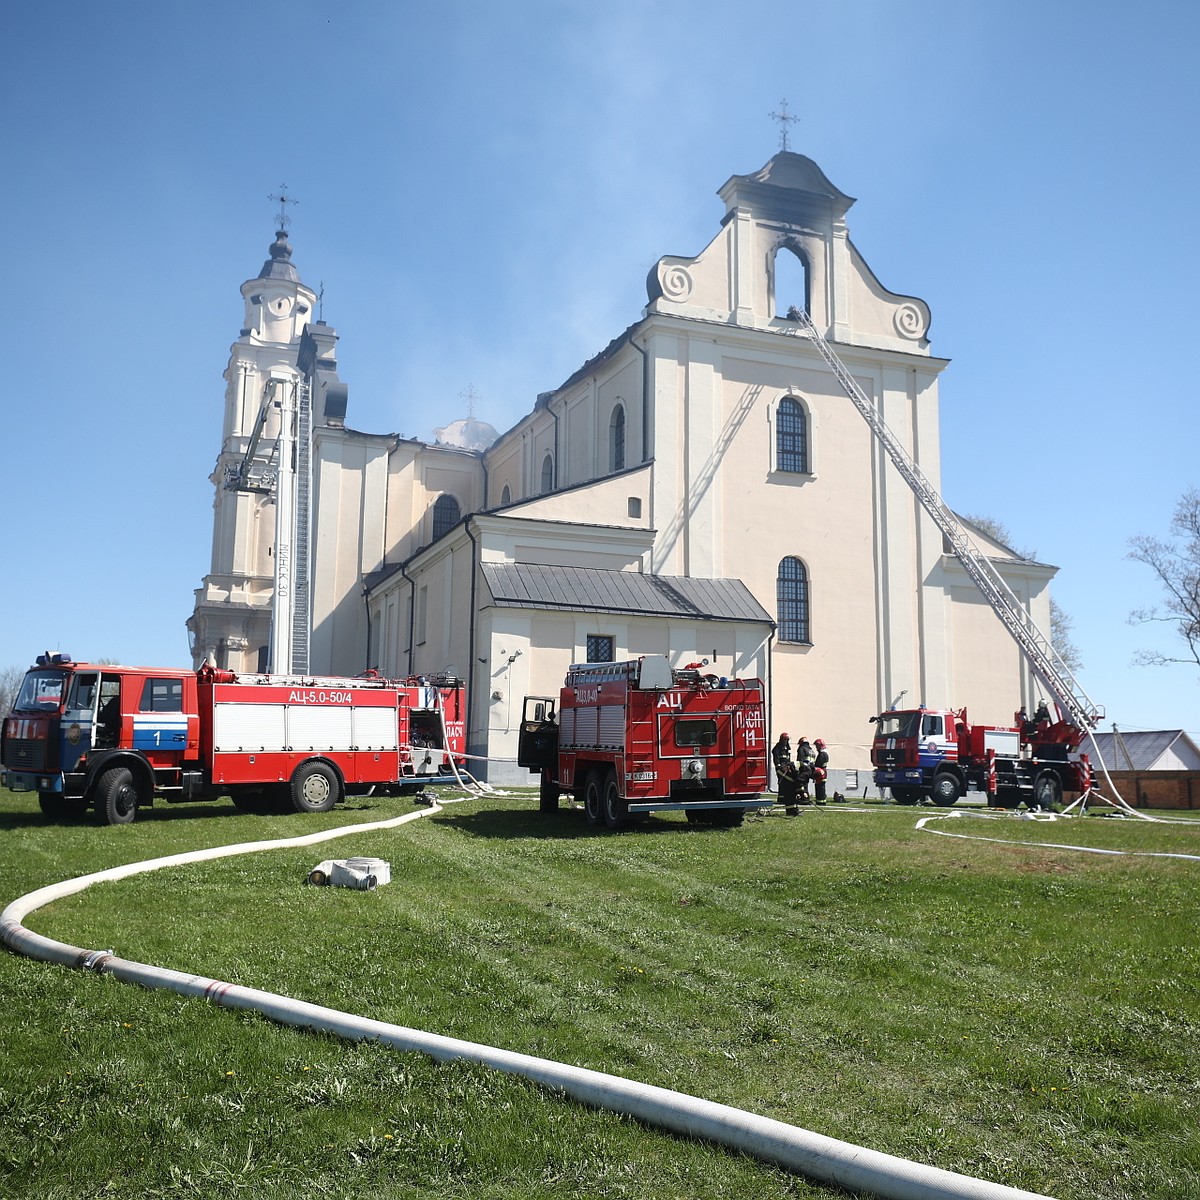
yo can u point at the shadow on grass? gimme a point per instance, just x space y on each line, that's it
222 809
564 824
32 820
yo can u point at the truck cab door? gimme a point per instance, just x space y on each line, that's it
931 748
79 718
537 743
107 731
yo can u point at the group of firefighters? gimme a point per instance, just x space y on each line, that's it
809 766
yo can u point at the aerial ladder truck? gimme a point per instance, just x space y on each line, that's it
1075 708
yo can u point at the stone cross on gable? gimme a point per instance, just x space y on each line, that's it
784 118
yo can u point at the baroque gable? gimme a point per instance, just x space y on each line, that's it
788 208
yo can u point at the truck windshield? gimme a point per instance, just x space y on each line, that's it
41 691
897 724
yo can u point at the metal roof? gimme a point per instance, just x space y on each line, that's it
587 589
1146 748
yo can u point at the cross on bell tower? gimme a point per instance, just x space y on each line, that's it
284 200
784 118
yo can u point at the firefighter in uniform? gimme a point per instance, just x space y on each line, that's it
820 770
805 755
785 772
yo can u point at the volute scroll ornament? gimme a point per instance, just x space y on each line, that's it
909 321
675 281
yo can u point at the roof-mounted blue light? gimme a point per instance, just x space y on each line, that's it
53 659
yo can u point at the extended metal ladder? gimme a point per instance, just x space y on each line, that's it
300 547
1046 662
285 475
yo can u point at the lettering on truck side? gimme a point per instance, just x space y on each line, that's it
751 723
321 697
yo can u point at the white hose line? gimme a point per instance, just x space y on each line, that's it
1119 803
825 1159
972 837
475 786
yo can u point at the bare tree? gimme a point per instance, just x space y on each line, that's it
1176 564
10 684
1061 621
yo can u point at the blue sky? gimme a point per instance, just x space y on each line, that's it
482 190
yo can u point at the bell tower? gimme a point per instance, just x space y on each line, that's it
231 620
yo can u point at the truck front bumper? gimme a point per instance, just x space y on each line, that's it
909 776
28 781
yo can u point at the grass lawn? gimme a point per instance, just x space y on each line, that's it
1019 1012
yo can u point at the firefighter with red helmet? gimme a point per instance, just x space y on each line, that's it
820 770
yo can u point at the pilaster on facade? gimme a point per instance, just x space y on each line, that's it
745 275
699 498
840 317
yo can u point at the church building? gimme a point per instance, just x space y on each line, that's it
702 488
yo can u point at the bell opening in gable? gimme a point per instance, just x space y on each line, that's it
791 281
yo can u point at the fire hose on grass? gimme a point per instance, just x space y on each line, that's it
825 1159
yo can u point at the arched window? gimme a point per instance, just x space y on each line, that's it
791 436
616 439
791 602
548 473
506 495
791 281
445 514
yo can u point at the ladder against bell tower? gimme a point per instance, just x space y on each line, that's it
231 620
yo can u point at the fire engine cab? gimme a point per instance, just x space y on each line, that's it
632 737
112 738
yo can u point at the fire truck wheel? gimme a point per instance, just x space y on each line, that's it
906 795
616 807
547 793
945 790
116 796
593 800
1047 791
315 788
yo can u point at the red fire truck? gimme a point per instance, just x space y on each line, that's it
938 753
633 737
112 738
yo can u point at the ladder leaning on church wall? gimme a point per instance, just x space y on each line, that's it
1074 703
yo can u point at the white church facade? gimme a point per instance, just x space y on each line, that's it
702 488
